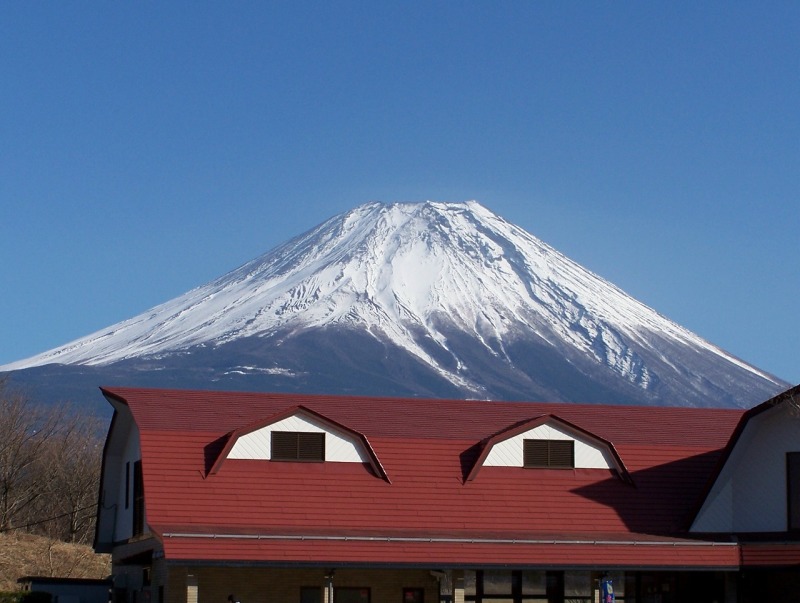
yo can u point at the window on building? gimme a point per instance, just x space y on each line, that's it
310 594
793 490
515 586
549 453
346 594
127 484
413 595
297 446
497 582
138 499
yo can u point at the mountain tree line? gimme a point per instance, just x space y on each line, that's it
50 457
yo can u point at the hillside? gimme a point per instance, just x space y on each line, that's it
26 555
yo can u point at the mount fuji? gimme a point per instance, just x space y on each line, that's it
410 299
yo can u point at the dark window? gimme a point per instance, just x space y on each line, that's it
549 453
127 485
516 586
138 499
351 595
793 489
310 594
413 595
297 446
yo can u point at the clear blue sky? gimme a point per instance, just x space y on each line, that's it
148 147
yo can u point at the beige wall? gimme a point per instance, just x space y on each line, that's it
269 585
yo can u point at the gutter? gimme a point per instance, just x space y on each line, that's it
310 537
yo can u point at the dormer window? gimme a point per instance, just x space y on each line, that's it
547 442
554 454
299 434
298 446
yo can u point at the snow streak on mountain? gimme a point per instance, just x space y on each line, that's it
469 301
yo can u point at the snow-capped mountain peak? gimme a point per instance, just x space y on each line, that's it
423 278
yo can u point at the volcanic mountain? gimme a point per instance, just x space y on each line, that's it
411 299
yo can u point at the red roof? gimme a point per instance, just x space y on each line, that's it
771 554
343 512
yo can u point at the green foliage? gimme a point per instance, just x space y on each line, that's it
11 597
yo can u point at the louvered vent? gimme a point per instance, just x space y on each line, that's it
297 446
549 453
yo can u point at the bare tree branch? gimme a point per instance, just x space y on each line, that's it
50 460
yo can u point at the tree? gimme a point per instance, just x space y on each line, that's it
70 463
50 459
24 430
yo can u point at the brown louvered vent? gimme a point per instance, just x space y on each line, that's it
558 454
297 446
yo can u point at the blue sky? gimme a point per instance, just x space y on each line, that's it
149 147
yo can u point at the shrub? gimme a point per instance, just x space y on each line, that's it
33 596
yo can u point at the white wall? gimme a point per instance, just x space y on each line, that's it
131 454
340 447
750 492
115 521
508 453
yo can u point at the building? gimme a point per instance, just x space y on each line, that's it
68 590
312 499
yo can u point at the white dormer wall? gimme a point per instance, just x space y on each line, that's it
508 453
750 493
340 447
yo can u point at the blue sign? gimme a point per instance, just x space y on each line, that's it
606 591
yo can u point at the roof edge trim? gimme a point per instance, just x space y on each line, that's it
426 539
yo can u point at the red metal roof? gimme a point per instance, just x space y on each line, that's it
771 554
546 553
323 512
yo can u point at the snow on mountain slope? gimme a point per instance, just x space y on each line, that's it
411 274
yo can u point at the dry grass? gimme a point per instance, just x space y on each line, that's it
27 555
